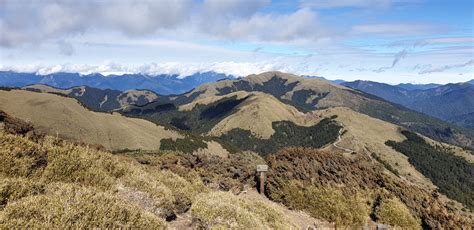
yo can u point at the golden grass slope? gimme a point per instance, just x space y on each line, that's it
337 95
124 99
256 114
56 115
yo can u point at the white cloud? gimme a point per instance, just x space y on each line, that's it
153 69
33 22
300 25
397 57
30 21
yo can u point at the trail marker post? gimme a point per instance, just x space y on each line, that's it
261 170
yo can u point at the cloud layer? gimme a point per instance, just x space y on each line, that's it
241 69
30 21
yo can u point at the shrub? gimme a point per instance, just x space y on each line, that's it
227 211
393 212
226 174
358 175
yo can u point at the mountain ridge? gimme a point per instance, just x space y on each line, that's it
446 102
161 84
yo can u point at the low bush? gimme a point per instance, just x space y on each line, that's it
228 174
393 212
29 166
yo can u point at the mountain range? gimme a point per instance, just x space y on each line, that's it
336 146
452 102
161 84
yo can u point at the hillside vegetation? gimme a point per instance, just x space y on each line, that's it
56 184
347 191
287 134
452 174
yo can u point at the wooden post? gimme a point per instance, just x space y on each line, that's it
262 182
261 169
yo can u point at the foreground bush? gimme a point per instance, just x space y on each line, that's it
393 212
71 206
223 210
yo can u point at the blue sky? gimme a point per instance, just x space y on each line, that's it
391 41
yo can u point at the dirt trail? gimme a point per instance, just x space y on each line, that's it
341 131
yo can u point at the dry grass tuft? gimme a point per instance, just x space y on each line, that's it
328 203
224 210
72 206
12 189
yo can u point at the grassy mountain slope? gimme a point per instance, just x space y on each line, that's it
242 119
100 99
262 109
312 93
56 115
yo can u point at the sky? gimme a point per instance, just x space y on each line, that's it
392 41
